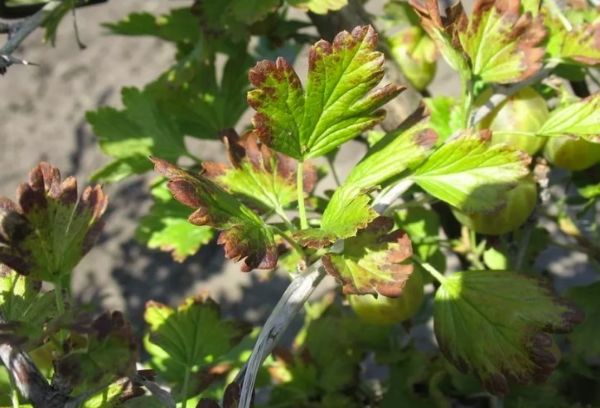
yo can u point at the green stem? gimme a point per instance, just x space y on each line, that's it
281 213
300 193
58 296
467 102
290 241
432 271
14 396
184 388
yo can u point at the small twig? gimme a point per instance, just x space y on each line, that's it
80 44
25 28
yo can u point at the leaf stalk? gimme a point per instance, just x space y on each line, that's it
300 193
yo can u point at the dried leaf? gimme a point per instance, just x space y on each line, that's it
51 229
244 235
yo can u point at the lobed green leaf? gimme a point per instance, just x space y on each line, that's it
336 105
470 174
580 119
166 227
191 337
497 324
375 262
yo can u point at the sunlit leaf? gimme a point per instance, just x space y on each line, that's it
503 44
244 235
349 209
259 174
376 261
472 175
190 337
23 306
508 318
166 227
580 119
335 106
445 31
444 115
578 44
319 6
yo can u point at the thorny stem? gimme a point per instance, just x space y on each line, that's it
27 27
300 193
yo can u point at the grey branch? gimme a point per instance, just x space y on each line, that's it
25 28
292 300
28 379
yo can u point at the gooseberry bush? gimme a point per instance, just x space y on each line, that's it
434 237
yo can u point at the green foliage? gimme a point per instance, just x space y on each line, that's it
373 262
583 338
512 344
336 105
470 174
166 226
580 119
23 305
244 235
258 174
385 232
186 341
100 354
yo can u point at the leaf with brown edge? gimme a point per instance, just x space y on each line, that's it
244 235
258 174
581 44
97 353
51 229
504 46
337 104
498 325
376 261
444 30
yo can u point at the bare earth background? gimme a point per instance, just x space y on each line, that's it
42 117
